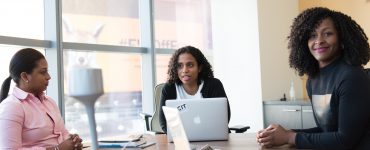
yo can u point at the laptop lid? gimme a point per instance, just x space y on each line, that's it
203 119
174 125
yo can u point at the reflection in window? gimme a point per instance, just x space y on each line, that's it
112 22
117 110
183 22
180 23
116 22
162 62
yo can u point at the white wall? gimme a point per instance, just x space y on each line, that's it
275 19
236 59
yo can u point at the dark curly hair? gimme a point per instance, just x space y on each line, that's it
351 37
206 71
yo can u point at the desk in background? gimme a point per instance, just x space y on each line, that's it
237 141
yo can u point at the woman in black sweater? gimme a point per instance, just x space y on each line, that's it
331 49
189 76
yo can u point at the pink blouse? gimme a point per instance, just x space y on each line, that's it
27 122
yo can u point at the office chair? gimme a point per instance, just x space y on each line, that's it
154 123
239 128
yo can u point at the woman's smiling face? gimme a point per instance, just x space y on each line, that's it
324 43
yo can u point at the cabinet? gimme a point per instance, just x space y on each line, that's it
291 115
308 120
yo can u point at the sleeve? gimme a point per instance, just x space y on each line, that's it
63 129
353 117
219 91
164 97
11 123
216 89
310 130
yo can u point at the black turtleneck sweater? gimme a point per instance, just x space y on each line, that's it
340 97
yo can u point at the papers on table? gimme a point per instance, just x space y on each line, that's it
132 141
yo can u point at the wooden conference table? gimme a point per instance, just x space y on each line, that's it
240 141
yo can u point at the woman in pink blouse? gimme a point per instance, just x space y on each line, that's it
28 118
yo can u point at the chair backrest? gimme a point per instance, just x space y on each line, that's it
154 123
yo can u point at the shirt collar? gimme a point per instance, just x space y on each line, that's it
22 95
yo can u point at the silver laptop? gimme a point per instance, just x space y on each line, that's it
203 119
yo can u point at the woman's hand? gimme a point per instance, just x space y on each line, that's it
76 139
275 135
72 143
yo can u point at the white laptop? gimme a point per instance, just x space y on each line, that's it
203 119
174 124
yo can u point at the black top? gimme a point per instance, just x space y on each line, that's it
212 88
340 97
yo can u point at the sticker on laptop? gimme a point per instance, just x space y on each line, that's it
182 107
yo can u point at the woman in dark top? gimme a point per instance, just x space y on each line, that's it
189 76
331 49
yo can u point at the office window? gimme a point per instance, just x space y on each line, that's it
180 23
117 110
111 22
22 18
162 62
108 22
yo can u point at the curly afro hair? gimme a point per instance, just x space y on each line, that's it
206 71
355 48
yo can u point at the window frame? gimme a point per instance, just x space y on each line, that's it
54 47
